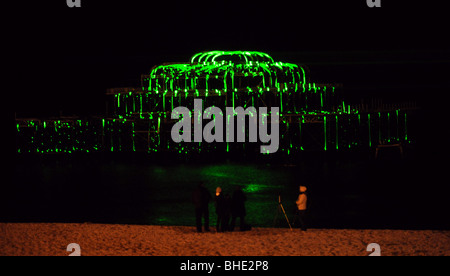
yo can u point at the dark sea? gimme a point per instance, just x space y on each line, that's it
347 190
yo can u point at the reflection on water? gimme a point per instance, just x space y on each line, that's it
343 194
177 182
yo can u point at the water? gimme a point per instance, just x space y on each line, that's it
344 191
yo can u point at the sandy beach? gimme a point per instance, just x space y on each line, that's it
135 240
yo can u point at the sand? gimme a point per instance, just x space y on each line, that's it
134 240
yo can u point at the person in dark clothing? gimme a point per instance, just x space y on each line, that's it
238 208
226 212
220 201
201 198
223 210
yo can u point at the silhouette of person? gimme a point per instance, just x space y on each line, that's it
301 207
238 208
222 207
201 198
226 213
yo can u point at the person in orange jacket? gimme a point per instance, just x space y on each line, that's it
301 207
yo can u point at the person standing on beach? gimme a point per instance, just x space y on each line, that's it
238 208
221 209
301 207
226 212
201 198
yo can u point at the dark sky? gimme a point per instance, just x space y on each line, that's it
69 57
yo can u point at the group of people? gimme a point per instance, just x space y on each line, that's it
228 209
